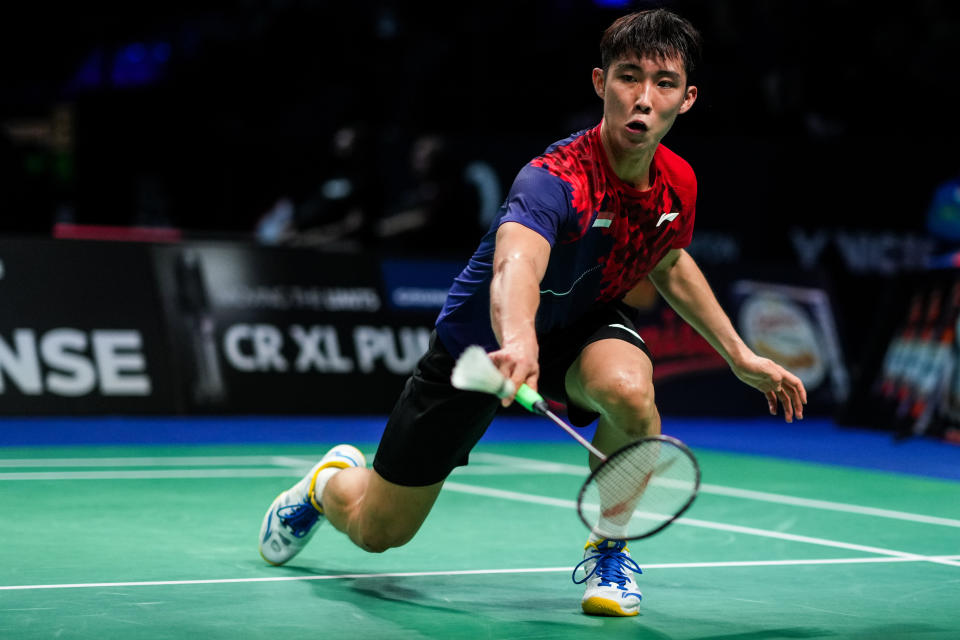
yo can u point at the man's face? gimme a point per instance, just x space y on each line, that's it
641 99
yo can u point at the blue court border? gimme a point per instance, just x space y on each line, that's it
812 440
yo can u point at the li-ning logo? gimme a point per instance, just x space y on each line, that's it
667 217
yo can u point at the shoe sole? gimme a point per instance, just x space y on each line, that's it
597 606
260 546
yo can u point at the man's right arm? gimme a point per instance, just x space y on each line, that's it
519 263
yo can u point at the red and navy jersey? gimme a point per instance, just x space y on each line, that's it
605 235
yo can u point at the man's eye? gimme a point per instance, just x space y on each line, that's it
628 78
666 84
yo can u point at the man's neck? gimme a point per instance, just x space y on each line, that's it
633 168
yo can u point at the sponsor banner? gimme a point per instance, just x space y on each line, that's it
289 330
94 327
418 285
863 252
791 324
79 332
794 326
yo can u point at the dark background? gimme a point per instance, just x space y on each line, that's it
832 119
819 113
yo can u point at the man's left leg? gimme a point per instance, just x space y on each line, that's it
613 378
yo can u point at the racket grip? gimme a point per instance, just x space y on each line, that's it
531 400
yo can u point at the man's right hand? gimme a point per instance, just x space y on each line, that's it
518 362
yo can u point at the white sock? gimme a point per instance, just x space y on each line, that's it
610 528
322 478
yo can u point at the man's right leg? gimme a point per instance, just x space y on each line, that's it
375 513
431 431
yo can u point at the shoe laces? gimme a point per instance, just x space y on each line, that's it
299 518
611 566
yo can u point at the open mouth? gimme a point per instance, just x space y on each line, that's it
637 127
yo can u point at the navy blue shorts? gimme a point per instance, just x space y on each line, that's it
434 426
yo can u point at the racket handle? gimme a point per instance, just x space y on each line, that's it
531 400
534 402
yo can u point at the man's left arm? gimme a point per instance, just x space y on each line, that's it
681 283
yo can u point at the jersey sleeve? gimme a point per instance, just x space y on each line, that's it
539 201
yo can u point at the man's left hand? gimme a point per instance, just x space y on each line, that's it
776 383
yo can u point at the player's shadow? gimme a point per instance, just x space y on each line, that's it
411 590
495 605
481 604
453 596
470 603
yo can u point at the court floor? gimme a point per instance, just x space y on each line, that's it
160 541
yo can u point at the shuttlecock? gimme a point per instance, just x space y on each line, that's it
475 371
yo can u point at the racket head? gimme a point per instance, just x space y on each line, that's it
643 487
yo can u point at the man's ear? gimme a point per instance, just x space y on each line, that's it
599 80
689 98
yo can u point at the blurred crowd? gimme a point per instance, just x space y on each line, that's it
441 202
390 123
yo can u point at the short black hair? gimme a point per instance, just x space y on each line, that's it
656 33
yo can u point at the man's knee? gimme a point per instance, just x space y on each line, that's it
379 539
390 515
626 399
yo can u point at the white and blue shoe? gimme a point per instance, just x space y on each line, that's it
611 589
296 513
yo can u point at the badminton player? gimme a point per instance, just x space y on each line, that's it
583 224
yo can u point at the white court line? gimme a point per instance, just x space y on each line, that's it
281 471
156 461
152 474
692 522
502 464
733 492
464 488
826 505
466 572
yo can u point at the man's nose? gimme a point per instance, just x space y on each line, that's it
641 101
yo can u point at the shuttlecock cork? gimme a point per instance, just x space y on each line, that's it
475 371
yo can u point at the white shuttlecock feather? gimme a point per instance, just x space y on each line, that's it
475 371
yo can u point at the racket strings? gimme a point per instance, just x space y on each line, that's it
640 489
622 483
